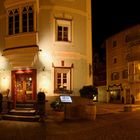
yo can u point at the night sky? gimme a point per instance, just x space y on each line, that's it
111 16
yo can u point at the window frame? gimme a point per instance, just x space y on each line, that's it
63 23
67 87
115 76
12 28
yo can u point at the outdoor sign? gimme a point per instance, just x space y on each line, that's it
65 99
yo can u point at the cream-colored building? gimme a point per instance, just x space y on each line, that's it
45 45
123 66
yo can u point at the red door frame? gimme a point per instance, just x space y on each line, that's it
13 82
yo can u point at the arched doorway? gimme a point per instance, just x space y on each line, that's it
23 85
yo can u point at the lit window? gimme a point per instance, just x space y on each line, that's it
63 30
62 79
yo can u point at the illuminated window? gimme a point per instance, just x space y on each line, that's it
62 79
63 30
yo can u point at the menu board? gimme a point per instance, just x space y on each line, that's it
65 99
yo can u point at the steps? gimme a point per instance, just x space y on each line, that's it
22 112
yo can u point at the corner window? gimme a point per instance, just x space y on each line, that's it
63 30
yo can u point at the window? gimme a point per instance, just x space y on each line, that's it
63 30
26 24
62 79
115 60
125 74
13 22
27 19
114 43
115 76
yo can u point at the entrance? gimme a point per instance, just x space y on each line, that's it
24 85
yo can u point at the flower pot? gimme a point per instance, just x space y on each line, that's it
58 115
90 111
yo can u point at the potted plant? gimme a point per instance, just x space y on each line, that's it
58 110
57 105
89 92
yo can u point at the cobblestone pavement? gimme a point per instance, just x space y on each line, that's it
116 125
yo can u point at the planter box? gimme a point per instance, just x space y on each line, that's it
58 115
90 111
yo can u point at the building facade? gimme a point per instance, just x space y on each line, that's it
45 46
123 66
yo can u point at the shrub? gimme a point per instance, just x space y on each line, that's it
57 105
88 92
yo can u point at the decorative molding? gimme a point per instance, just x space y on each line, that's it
65 9
69 55
13 3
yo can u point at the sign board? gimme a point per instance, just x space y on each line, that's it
65 99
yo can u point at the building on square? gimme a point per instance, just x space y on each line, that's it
123 66
45 45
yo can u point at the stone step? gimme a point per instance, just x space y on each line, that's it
22 112
25 105
21 118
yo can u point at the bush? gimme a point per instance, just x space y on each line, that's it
57 105
88 92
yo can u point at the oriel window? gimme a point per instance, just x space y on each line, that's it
27 19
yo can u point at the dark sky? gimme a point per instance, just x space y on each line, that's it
111 16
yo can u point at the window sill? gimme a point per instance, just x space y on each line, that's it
58 91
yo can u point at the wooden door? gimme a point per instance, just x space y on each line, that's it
24 85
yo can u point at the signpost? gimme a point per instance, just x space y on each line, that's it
66 99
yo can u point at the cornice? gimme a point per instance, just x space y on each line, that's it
60 8
69 55
13 3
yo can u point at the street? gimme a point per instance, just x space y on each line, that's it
113 126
